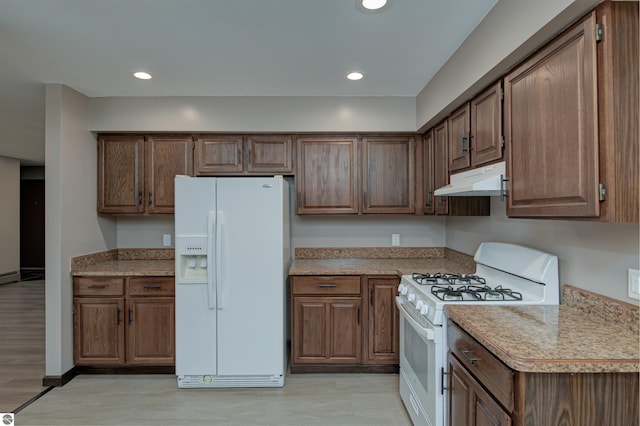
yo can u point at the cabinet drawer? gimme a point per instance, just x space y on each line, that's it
489 370
98 286
326 284
151 286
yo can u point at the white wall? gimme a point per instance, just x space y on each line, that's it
10 214
253 114
594 256
72 226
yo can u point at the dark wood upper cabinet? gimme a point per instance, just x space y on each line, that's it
166 157
388 167
440 169
486 126
218 154
327 175
428 184
475 131
459 135
136 174
269 154
237 154
571 122
551 128
120 174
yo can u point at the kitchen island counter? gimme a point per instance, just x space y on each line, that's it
554 339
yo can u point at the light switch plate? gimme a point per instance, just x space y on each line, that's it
166 240
633 282
395 239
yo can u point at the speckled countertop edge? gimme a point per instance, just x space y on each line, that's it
379 261
125 262
550 339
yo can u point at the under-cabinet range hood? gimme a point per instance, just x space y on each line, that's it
483 181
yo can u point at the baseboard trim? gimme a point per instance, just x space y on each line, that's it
344 368
152 369
58 381
9 277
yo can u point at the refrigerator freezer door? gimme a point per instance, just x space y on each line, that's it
251 286
196 324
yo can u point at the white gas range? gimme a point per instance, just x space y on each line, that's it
505 274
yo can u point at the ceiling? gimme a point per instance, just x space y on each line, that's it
233 47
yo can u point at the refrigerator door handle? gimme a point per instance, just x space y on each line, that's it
219 287
211 283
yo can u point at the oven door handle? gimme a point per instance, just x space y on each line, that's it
424 332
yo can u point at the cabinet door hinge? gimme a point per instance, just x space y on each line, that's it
598 32
502 94
602 192
502 142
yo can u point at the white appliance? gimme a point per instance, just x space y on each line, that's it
232 257
482 181
505 274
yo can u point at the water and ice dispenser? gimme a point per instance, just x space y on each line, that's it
191 252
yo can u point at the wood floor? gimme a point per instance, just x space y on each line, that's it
21 343
306 399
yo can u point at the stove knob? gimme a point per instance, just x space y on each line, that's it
424 310
419 304
411 297
401 287
404 290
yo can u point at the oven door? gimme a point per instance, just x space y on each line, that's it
421 363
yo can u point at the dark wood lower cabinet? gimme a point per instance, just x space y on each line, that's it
484 391
335 328
124 321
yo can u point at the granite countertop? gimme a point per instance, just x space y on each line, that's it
551 339
125 262
379 261
374 266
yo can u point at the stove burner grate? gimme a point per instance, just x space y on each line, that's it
475 293
448 279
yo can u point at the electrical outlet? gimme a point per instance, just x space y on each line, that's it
166 240
395 239
633 283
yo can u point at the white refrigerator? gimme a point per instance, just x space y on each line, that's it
232 256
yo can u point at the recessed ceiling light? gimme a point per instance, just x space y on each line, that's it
142 75
373 4
355 76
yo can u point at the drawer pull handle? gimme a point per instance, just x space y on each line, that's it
97 286
468 358
326 285
153 287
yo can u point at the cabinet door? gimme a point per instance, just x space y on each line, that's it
327 175
120 174
309 330
440 169
344 331
98 331
459 139
388 174
486 126
326 330
269 154
151 330
551 126
382 331
218 154
469 403
166 157
427 173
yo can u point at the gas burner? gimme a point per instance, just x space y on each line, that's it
448 279
474 293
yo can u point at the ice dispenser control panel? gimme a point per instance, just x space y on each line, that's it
192 259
